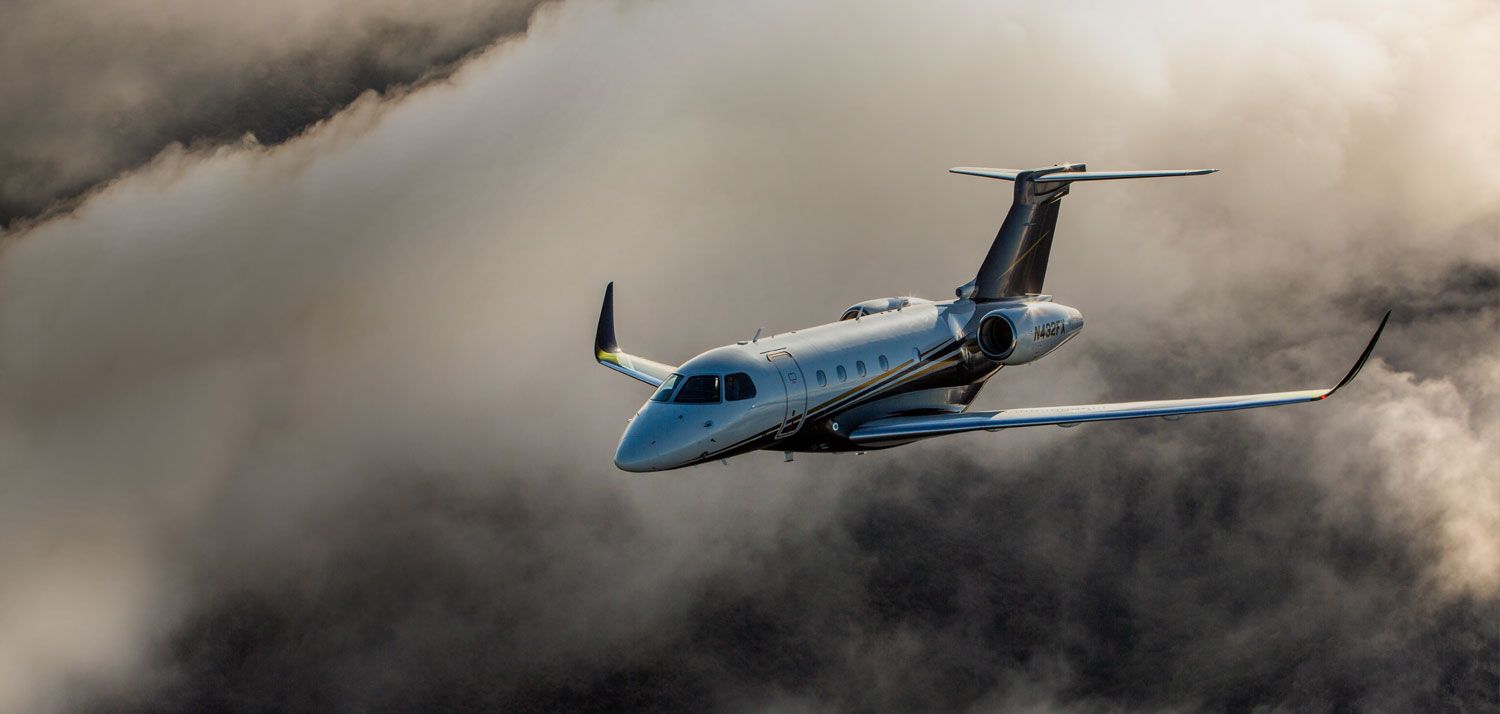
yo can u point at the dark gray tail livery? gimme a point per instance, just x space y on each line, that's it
1017 261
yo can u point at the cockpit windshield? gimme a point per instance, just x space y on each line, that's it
704 388
699 389
664 392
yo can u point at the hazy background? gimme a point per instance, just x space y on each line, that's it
315 427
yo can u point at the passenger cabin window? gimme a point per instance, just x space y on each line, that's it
664 392
859 367
738 386
843 373
822 378
699 389
885 364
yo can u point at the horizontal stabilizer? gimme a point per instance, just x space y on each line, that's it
1016 264
1105 175
1006 174
1041 175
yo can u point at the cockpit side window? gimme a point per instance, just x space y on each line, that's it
699 389
664 392
738 386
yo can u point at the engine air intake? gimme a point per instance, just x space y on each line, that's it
997 337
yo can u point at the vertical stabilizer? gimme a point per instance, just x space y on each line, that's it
1017 262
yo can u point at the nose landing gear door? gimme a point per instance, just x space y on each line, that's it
796 391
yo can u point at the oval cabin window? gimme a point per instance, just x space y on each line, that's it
859 368
843 374
885 364
822 379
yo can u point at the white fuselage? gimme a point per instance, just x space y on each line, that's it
813 385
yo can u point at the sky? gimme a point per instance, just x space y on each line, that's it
298 409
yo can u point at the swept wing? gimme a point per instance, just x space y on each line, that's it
910 428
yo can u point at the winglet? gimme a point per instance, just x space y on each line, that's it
604 337
607 351
1362 358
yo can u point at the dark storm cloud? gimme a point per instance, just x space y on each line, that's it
93 89
315 426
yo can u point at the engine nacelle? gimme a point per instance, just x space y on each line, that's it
1024 333
870 307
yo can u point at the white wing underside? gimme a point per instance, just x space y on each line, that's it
901 429
645 370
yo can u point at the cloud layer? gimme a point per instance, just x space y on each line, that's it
314 427
93 89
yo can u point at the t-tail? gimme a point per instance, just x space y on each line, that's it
1017 261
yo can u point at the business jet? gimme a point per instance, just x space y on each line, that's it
895 370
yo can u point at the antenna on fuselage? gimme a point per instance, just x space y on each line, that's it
757 334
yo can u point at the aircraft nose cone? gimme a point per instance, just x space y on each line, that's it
632 455
639 450
660 438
